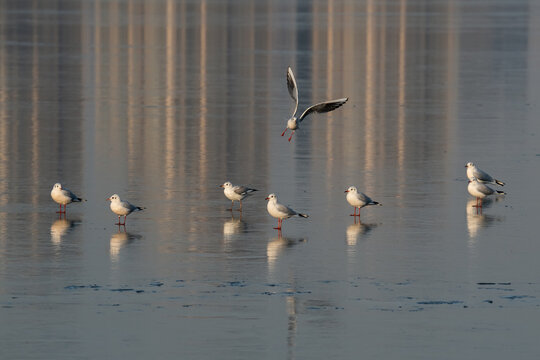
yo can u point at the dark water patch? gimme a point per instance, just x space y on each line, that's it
233 283
75 287
488 301
109 305
440 302
493 283
139 291
517 297
122 289
156 283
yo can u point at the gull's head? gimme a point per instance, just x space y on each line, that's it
226 185
351 189
469 165
114 197
57 186
271 197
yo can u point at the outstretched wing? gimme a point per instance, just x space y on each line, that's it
323 107
293 89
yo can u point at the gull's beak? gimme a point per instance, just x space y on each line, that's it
346 191
108 199
466 166
221 185
267 198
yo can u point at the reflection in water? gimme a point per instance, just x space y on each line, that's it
120 240
59 228
233 226
354 231
476 219
276 246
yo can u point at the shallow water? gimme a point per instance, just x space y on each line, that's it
163 101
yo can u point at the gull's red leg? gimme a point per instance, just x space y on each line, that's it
290 137
284 131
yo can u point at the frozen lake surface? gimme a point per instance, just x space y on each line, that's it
163 101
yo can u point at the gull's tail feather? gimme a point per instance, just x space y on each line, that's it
500 192
303 215
499 182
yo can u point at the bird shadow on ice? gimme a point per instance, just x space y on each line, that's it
61 227
477 219
120 240
358 230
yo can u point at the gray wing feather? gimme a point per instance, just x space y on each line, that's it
69 194
483 176
323 107
363 197
293 89
243 190
285 209
484 189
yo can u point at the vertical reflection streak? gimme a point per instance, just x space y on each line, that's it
369 134
34 117
402 66
329 88
203 156
170 133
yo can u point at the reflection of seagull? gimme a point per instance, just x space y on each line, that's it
277 245
233 226
358 199
474 172
354 231
476 220
480 191
59 228
122 208
236 193
280 211
63 196
118 241
323 107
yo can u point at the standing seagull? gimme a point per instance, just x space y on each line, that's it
280 211
480 191
358 200
481 176
120 208
236 193
63 196
323 107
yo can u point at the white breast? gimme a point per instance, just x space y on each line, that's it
231 195
59 197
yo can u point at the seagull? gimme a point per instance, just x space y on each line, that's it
358 200
120 208
481 176
322 107
63 196
280 211
480 191
236 193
